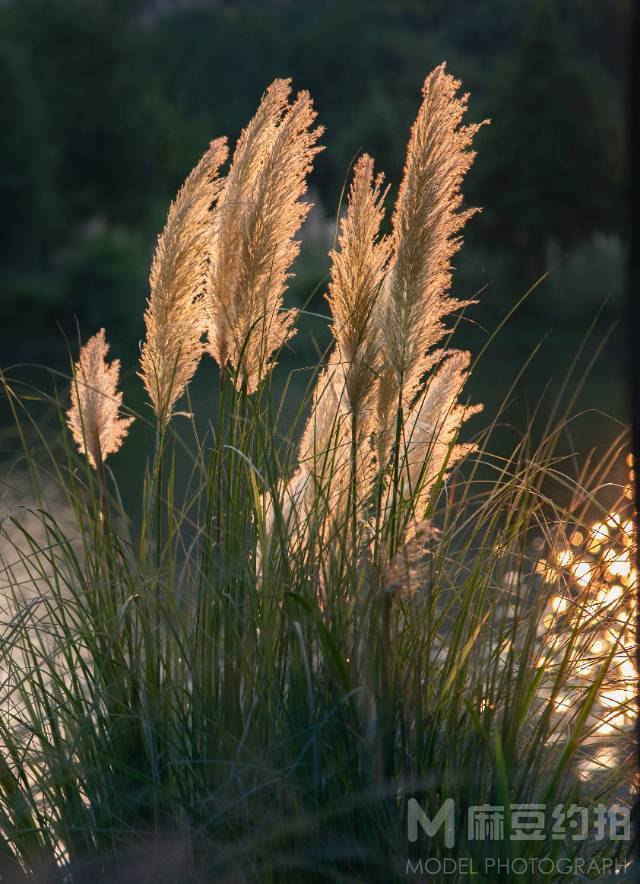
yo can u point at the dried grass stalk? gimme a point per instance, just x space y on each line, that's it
389 299
357 275
313 499
324 447
94 415
258 214
432 426
426 223
174 317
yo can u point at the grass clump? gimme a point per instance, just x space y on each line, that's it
300 633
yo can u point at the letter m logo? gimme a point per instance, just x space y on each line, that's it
444 817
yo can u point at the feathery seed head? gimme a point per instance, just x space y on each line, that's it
433 423
259 211
426 223
174 323
94 414
294 500
357 274
324 447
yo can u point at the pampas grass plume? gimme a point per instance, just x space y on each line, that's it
259 211
174 316
94 414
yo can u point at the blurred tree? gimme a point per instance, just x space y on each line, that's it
88 143
552 158
107 104
355 62
377 127
599 41
107 267
26 194
105 116
215 63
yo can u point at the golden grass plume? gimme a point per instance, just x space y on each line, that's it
432 426
94 414
258 213
174 316
426 224
357 275
386 413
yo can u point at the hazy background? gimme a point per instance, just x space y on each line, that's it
106 105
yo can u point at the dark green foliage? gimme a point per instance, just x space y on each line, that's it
553 154
87 142
25 164
106 268
108 103
104 113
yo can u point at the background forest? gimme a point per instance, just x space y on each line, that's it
108 103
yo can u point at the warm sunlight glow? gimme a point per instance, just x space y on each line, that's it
597 583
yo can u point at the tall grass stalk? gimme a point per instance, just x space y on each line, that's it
269 727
